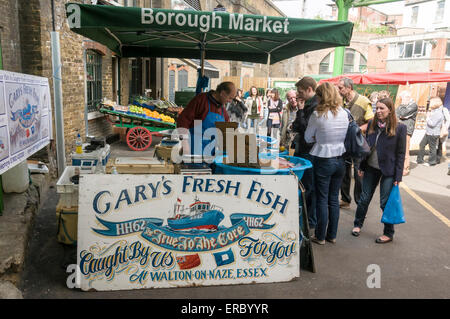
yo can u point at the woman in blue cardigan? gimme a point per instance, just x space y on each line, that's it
387 140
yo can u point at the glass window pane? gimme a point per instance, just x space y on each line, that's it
447 52
418 47
408 50
401 50
415 13
349 56
440 11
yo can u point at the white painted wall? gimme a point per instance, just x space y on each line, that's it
426 16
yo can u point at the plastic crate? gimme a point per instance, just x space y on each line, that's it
87 161
68 191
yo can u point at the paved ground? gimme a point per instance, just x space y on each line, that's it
415 265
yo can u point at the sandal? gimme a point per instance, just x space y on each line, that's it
383 241
355 232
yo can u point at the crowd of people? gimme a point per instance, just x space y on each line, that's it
313 125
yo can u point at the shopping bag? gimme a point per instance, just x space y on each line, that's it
393 212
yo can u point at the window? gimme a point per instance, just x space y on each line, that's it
412 49
130 3
136 78
447 52
185 5
324 66
439 16
93 79
362 63
350 63
182 79
415 13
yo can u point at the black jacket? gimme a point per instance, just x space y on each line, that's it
390 151
300 124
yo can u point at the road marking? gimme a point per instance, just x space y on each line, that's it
444 219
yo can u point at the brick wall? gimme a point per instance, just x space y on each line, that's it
10 40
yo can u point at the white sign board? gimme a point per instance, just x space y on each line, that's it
25 117
157 231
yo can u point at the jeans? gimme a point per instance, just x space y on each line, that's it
432 142
346 182
270 125
328 175
372 177
310 195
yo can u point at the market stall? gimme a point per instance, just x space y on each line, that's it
195 227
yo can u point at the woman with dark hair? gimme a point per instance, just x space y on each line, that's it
384 165
327 128
254 104
275 107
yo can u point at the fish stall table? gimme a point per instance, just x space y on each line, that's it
199 226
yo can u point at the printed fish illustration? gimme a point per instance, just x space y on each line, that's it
26 115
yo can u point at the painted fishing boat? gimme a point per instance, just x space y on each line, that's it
199 215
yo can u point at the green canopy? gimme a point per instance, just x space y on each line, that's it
148 32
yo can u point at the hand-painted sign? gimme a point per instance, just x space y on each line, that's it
157 231
25 117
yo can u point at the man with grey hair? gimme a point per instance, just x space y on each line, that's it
406 113
288 117
361 109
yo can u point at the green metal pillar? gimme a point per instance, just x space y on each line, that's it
338 65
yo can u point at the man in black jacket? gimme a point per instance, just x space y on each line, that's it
306 90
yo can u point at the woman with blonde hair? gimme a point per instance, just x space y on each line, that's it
327 128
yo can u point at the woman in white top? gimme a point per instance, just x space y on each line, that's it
327 128
254 104
275 107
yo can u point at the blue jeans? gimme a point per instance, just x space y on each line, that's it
310 194
328 175
372 177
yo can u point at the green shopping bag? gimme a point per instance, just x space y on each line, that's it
393 212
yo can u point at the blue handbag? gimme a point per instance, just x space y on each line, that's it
393 212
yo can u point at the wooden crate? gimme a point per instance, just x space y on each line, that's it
139 165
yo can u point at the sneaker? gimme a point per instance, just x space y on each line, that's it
344 205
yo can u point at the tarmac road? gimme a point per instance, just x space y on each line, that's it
415 265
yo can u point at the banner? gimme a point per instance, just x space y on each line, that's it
158 231
25 117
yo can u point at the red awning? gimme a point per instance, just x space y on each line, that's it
393 78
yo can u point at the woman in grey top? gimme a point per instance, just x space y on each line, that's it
327 128
406 114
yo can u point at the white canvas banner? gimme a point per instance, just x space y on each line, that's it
25 117
157 231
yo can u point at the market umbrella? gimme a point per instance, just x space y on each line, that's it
148 32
